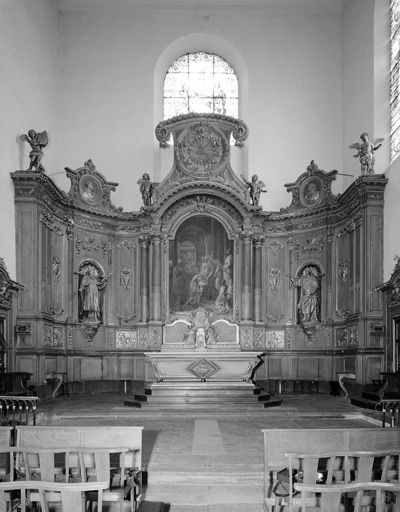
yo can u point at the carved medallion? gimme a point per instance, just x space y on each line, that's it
90 189
310 192
201 151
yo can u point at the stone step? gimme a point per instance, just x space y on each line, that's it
235 398
205 494
202 392
210 477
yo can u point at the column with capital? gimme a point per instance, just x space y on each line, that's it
156 280
247 302
258 244
144 280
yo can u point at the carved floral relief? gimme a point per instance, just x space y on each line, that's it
275 339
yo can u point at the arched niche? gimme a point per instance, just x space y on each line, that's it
200 266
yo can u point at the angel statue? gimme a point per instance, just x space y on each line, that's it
255 187
146 189
365 152
37 141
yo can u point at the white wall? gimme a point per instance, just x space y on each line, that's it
28 97
293 110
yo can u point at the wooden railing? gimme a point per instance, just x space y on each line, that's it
18 410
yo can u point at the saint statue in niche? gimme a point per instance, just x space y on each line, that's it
90 284
308 305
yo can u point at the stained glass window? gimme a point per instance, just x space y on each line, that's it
394 78
201 82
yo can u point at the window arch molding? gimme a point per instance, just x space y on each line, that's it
192 43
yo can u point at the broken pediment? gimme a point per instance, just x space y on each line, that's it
201 151
90 190
312 189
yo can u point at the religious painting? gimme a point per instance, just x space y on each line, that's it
201 267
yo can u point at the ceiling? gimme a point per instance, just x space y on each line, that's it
323 6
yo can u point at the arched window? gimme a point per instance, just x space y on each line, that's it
201 82
394 79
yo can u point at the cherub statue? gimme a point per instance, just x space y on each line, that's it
365 152
255 187
37 141
146 189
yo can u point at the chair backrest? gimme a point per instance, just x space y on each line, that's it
84 437
67 494
69 464
332 498
346 467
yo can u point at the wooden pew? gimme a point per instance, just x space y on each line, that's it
278 442
110 437
339 468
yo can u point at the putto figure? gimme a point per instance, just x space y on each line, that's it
146 189
37 141
255 187
365 152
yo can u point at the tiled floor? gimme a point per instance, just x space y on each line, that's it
206 459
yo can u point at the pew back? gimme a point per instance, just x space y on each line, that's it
5 436
83 437
278 442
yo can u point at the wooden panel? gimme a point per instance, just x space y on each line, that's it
124 282
375 271
26 236
275 279
343 275
91 368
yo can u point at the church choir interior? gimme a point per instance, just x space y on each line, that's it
199 256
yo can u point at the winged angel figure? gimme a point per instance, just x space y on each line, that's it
37 141
255 187
365 152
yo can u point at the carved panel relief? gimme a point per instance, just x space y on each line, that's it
275 258
275 339
343 276
126 290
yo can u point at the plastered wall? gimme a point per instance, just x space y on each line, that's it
29 93
293 102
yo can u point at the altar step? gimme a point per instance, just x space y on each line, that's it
202 395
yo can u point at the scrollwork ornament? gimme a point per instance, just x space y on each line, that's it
89 331
240 133
163 134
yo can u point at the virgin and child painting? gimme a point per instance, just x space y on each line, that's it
201 267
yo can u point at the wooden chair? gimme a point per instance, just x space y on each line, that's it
65 496
337 469
72 465
382 497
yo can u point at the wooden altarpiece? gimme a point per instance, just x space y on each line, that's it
201 269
